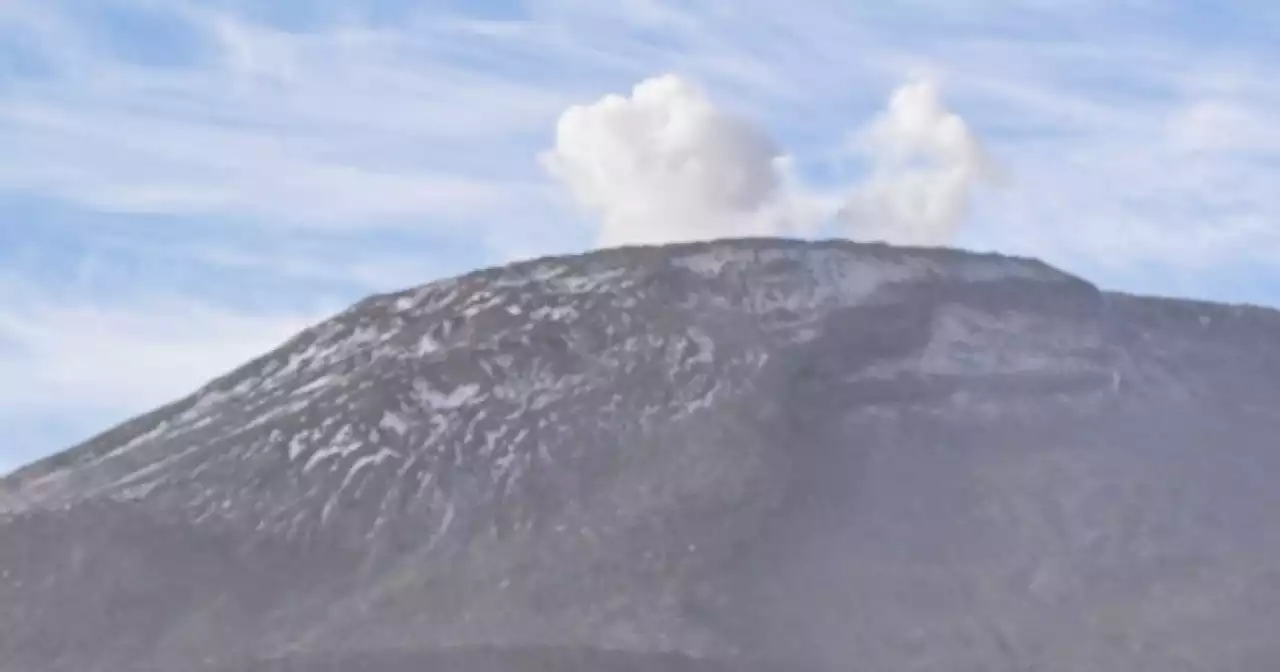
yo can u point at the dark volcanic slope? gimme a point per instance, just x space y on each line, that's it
839 456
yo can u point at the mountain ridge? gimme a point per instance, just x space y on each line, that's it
636 255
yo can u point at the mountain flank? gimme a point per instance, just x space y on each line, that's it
748 454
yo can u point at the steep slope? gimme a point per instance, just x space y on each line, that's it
853 457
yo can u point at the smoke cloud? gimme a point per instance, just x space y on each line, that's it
665 164
925 163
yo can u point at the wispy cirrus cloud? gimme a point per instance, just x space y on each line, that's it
347 128
101 357
71 367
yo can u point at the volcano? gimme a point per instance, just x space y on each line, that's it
751 454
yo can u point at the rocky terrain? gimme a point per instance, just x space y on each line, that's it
736 455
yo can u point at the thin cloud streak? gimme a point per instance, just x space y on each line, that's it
118 359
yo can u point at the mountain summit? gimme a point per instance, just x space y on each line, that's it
723 455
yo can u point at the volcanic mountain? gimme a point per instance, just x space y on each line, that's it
732 455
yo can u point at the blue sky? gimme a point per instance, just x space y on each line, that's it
185 184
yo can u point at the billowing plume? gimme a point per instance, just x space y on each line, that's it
925 163
665 164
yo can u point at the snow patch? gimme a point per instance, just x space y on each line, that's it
375 459
482 302
343 444
706 347
578 284
155 433
441 401
555 313
296 446
204 402
394 423
278 412
317 384
710 264
427 345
